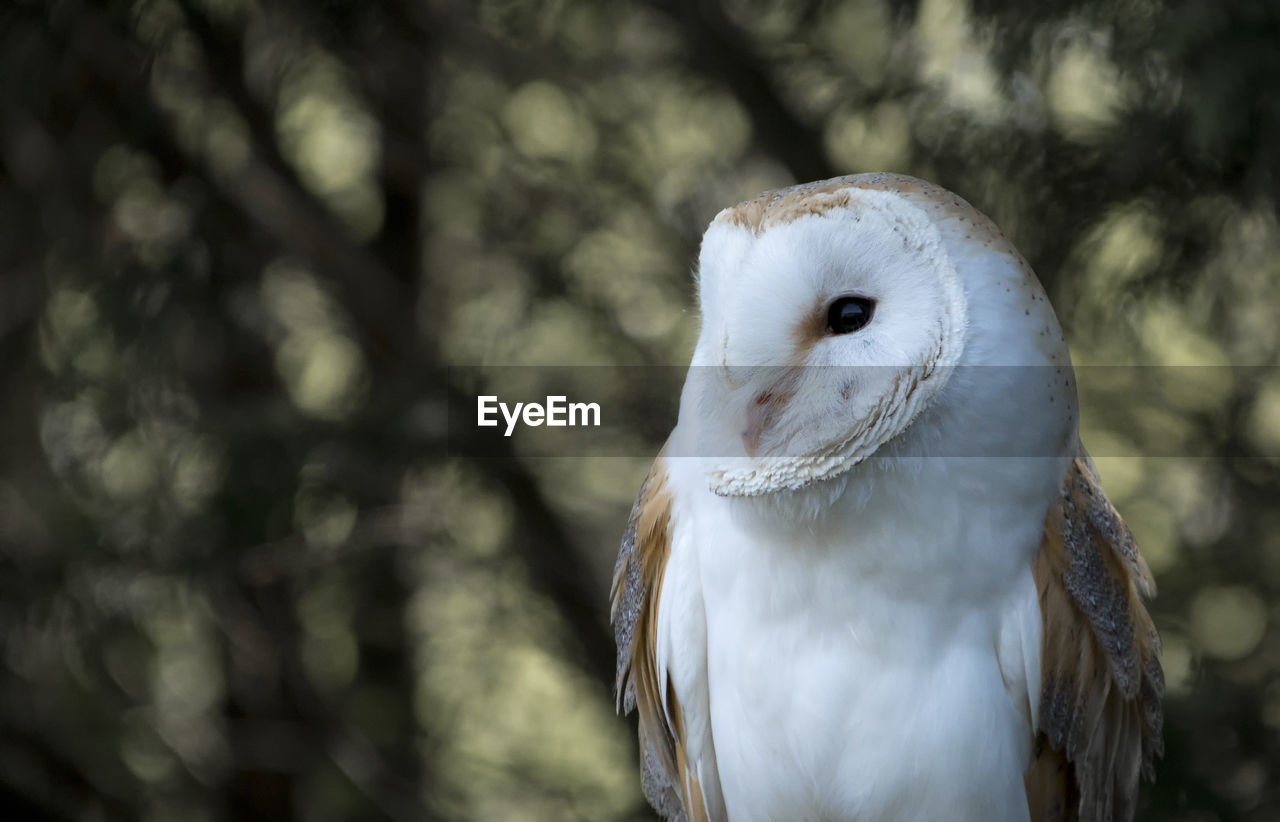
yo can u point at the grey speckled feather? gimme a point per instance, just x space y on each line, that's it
637 577
1101 682
626 607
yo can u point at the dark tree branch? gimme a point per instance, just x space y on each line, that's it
722 51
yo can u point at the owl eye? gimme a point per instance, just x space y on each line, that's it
849 314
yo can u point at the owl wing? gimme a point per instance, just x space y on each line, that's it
1099 718
676 756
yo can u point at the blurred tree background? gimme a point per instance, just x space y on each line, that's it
243 578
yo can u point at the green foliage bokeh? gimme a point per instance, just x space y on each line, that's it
244 577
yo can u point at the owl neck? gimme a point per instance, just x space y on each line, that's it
926 527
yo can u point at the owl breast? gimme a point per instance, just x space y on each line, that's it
861 669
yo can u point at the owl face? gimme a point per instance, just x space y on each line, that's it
833 317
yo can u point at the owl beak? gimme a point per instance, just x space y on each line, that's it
763 412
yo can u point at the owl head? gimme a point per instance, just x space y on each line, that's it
867 316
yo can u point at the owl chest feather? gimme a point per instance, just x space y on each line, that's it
861 670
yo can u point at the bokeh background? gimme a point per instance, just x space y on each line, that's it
243 573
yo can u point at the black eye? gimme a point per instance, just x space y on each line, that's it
849 314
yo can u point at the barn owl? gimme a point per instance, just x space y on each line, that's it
872 575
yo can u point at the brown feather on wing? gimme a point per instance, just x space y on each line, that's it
669 783
1099 724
